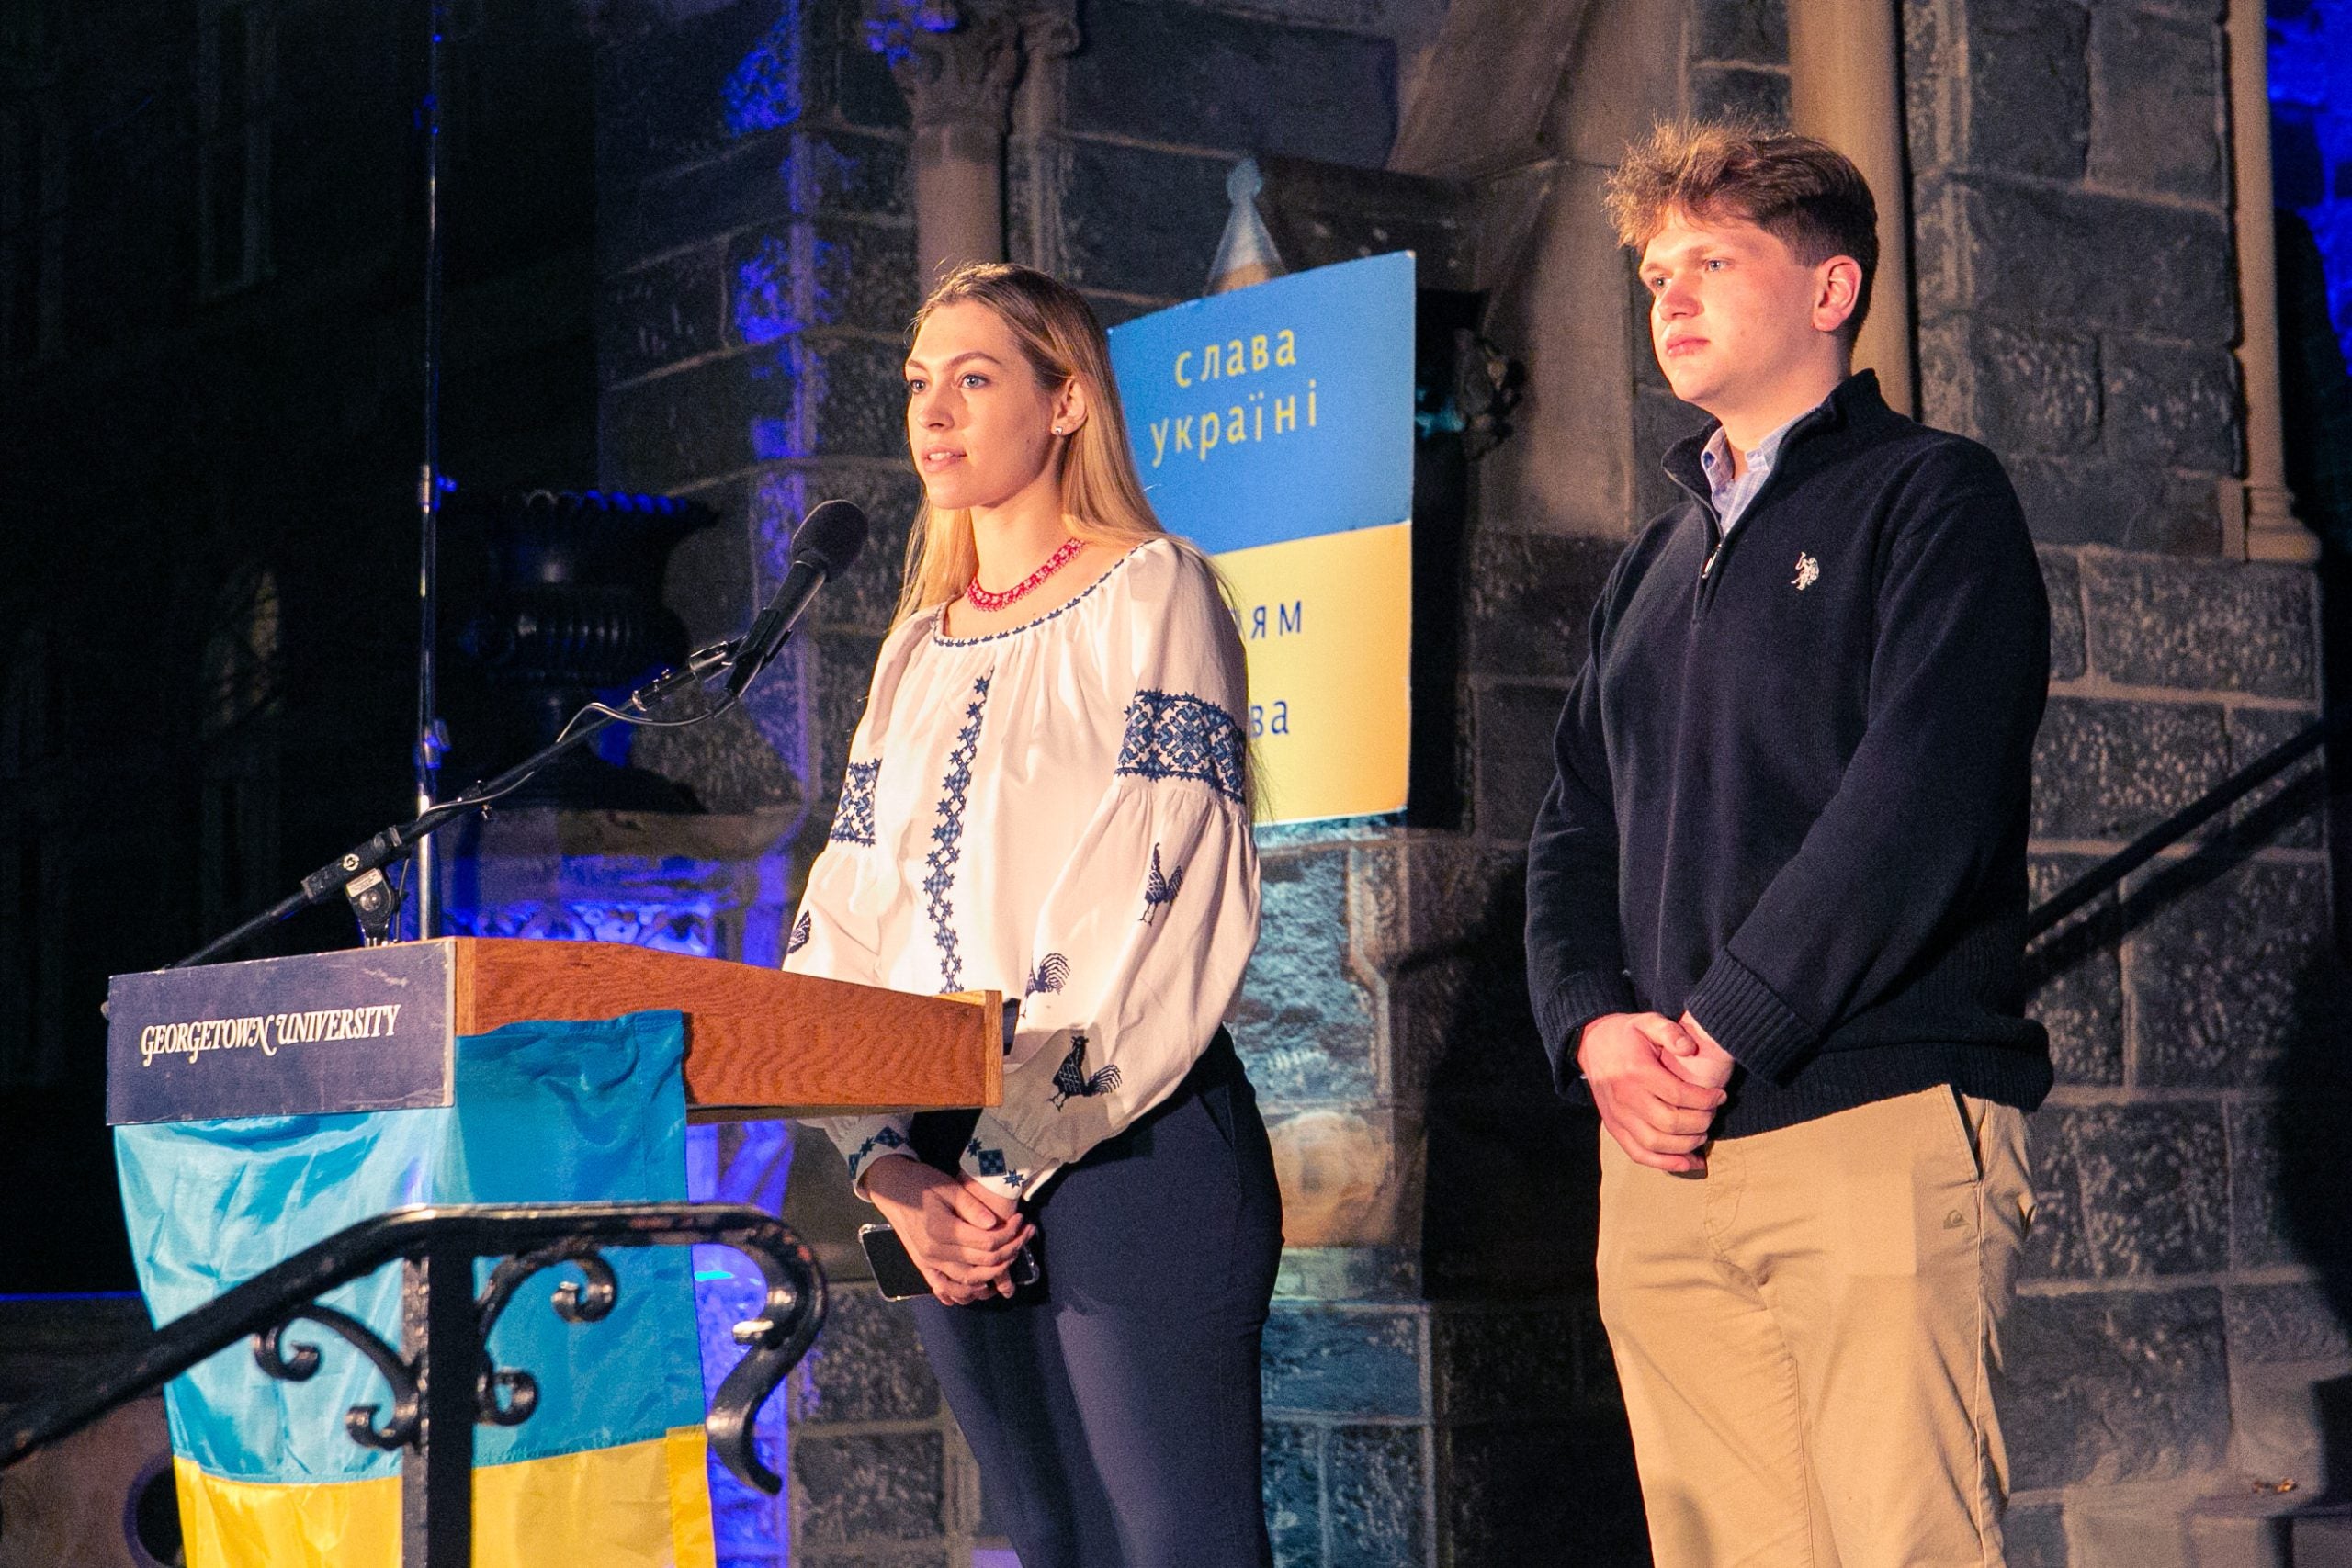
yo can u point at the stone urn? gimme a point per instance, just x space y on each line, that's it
571 612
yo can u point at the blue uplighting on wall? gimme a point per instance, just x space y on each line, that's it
776 385
2310 65
687 925
762 93
892 37
764 293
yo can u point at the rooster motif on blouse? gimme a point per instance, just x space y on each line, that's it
1158 889
1071 1076
1050 976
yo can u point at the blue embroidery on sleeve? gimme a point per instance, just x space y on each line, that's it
1173 734
991 1162
1050 976
802 929
854 818
888 1138
948 841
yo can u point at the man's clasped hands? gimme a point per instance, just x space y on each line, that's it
1657 1082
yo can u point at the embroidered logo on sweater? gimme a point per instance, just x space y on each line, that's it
1808 572
1158 889
1071 1076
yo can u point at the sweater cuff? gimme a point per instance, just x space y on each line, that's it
1562 1013
1748 1018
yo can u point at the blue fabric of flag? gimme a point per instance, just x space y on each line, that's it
543 1113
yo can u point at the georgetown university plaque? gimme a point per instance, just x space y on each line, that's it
365 1030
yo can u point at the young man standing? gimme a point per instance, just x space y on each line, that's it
1776 903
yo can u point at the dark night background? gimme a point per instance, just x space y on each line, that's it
214 393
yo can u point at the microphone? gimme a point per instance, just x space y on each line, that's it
824 545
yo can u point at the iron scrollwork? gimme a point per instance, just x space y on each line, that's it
507 1396
299 1363
433 1422
790 1315
792 1312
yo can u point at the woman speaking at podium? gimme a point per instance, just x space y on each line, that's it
1049 795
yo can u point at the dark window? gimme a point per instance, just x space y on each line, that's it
32 229
32 924
240 728
235 92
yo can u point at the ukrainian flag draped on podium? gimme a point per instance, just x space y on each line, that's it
610 1467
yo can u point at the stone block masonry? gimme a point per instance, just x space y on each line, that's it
2057 149
2171 1339
756 247
2041 181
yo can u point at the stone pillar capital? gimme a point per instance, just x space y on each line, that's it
955 60
1048 29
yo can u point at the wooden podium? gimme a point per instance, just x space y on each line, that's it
265 1107
374 1029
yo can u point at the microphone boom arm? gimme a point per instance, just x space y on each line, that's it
393 842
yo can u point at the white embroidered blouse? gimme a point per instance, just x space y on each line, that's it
1057 812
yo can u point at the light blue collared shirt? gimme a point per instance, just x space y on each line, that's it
1732 494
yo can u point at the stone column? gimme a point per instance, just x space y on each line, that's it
1845 87
957 61
1048 38
2262 505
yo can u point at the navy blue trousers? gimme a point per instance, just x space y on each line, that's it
1113 1405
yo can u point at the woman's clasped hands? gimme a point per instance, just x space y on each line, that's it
963 1237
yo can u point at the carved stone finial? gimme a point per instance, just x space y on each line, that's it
1049 30
954 59
1247 254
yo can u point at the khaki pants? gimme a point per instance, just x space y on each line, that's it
1808 1336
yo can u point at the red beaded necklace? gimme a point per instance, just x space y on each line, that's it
981 599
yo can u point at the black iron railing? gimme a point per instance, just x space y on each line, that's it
2110 871
441 1380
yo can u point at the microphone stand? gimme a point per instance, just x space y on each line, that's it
358 871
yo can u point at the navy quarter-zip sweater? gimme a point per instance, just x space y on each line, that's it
1793 781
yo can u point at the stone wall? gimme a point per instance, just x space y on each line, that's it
756 255
2174 1341
2075 296
2170 1335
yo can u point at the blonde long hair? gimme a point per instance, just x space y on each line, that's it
1102 494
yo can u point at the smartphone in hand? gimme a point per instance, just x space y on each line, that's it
895 1271
898 1278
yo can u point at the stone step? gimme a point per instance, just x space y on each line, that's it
2242 1531
2321 1538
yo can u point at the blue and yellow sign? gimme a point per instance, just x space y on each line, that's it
1274 426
